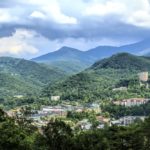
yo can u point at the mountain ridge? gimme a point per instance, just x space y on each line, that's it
123 61
84 59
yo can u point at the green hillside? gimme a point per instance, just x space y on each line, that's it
11 85
98 82
19 76
69 67
123 61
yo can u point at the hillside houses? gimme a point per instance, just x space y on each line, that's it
131 102
127 120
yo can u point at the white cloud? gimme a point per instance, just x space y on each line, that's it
52 11
109 7
17 45
38 15
70 12
6 17
135 12
141 15
140 18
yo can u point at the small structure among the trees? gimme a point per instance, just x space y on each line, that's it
55 98
143 76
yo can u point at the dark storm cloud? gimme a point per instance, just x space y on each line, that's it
88 27
87 30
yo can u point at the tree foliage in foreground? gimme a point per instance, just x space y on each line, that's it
58 135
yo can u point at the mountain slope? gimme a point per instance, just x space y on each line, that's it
123 61
17 74
13 85
139 48
65 53
98 82
72 60
67 59
69 67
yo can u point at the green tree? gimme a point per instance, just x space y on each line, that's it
58 135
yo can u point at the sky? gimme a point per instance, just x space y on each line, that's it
29 28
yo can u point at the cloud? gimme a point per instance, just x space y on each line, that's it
52 11
101 9
38 15
6 17
18 44
55 23
140 18
135 13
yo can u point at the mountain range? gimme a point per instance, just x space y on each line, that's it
98 81
73 60
20 76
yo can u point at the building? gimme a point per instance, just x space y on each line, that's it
55 98
143 76
131 102
127 120
102 119
84 124
120 89
93 107
18 96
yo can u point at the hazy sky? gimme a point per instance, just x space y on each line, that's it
29 28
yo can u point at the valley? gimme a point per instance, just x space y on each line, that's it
112 93
74 75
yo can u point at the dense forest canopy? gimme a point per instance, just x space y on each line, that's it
98 82
19 134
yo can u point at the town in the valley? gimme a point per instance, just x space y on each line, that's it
62 109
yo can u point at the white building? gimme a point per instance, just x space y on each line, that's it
143 76
55 98
127 120
131 102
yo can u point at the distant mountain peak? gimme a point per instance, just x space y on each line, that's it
65 47
63 54
68 49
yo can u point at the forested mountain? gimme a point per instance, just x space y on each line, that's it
63 54
98 82
73 60
123 61
19 76
68 59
